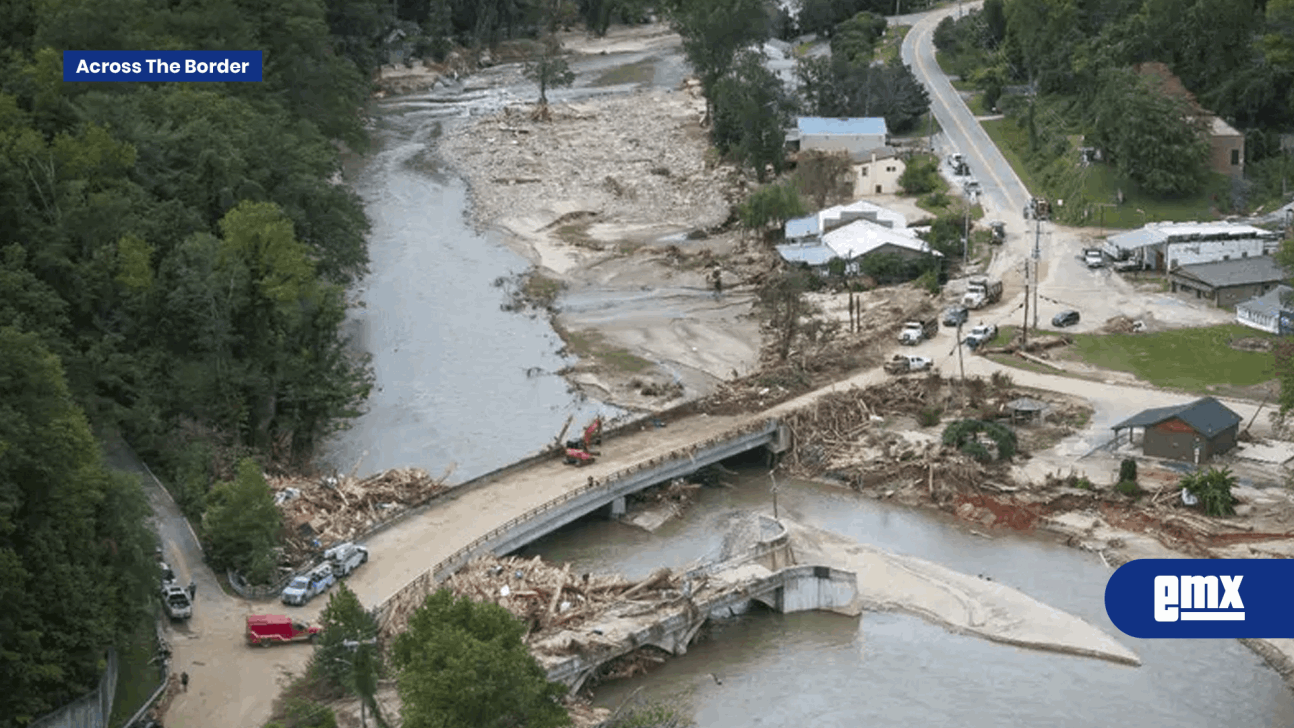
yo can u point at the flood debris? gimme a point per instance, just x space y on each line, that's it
322 511
552 600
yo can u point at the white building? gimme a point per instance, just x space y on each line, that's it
1264 312
1168 245
879 172
812 228
854 136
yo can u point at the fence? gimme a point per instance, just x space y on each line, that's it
91 710
421 585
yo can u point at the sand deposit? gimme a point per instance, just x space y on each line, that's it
956 601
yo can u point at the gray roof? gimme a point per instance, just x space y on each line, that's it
1237 272
814 254
1179 232
1268 304
1206 416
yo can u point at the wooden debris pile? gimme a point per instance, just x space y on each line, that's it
678 493
551 599
321 512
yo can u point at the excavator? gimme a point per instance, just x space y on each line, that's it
580 452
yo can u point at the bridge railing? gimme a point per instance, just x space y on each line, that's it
421 585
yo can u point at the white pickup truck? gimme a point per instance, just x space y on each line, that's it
1093 257
907 363
980 335
176 602
345 558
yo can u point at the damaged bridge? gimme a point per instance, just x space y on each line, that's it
608 491
671 622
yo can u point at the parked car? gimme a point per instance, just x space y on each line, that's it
176 602
1065 318
168 576
309 585
1093 257
906 363
955 315
267 629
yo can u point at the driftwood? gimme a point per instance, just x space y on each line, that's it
1038 360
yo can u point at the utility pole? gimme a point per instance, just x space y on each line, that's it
960 364
966 238
1024 330
1037 237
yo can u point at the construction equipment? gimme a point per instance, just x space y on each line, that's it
580 452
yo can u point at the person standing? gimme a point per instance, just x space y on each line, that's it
193 590
184 681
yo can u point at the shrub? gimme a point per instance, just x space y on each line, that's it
1001 381
1128 470
963 435
1128 488
929 416
1213 489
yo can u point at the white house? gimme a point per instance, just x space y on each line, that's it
805 229
878 173
1168 245
863 237
1264 312
854 136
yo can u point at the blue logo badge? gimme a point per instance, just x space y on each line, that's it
1202 598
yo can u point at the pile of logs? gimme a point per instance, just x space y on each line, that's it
324 511
549 598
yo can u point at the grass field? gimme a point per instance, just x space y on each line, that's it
1100 184
1189 359
891 44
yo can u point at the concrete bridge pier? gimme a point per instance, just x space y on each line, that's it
618 507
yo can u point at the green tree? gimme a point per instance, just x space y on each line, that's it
772 204
836 88
714 31
346 657
242 525
464 664
76 567
751 115
855 39
920 175
549 70
1149 136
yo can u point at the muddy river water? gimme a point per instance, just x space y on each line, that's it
461 381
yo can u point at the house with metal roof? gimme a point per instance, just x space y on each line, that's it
813 227
1166 245
853 136
1193 432
1228 282
853 242
1268 312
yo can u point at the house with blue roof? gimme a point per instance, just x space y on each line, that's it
853 136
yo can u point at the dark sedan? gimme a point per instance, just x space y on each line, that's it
1065 318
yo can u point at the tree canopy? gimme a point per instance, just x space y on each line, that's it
76 557
463 664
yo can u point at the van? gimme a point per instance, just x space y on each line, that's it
268 629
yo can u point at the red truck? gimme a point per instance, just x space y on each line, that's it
266 629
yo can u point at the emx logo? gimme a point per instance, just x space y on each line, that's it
1151 598
1195 598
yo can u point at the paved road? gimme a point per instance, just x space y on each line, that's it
233 685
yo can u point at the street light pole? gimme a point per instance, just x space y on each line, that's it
774 490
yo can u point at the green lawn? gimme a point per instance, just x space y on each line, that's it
136 678
1100 184
1188 359
977 107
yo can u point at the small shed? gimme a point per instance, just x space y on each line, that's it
1193 432
1026 409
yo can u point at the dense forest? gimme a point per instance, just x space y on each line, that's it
173 261
1072 64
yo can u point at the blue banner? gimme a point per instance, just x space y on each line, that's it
210 66
1202 598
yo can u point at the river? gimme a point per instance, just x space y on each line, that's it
461 382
